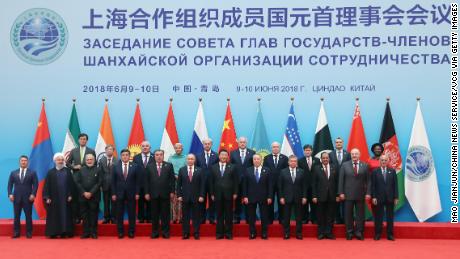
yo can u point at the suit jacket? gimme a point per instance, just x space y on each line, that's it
333 158
201 160
323 188
74 157
160 186
269 162
257 191
354 187
106 172
89 179
384 190
130 186
191 191
22 190
224 187
138 159
241 166
308 171
292 191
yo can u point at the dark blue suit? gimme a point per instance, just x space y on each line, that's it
240 167
21 190
201 162
144 210
126 190
385 190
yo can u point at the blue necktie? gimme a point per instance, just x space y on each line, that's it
257 174
222 170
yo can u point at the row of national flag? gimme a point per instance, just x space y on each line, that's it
418 184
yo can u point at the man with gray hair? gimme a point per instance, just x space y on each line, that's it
88 182
142 160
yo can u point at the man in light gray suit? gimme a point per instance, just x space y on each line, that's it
354 188
106 163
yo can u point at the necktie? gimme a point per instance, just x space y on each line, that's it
125 170
109 163
326 172
190 175
82 155
222 169
339 157
355 168
276 160
257 174
145 161
384 172
159 168
22 175
242 156
207 158
309 163
293 176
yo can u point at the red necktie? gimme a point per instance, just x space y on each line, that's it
125 171
355 168
159 169
190 173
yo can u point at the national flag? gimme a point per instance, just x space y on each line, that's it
291 139
259 140
357 139
71 136
200 131
420 179
137 133
105 136
323 141
41 159
391 150
170 137
228 137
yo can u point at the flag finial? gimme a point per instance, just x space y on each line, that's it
43 99
170 99
357 99
258 99
388 99
138 99
200 99
106 99
228 99
292 98
74 99
418 98
322 99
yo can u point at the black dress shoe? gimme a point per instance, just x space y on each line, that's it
360 237
154 236
185 237
299 237
141 221
165 236
219 237
212 222
286 236
121 236
196 236
349 237
84 236
391 237
236 221
15 235
330 236
131 235
149 221
320 236
229 237
252 236
264 236
94 236
29 235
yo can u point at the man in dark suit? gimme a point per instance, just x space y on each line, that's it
190 192
159 190
125 189
75 161
257 191
224 191
384 192
88 181
324 193
205 160
275 162
22 190
336 158
106 163
241 158
307 163
354 188
293 195
143 159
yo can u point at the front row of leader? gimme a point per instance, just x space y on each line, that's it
352 185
